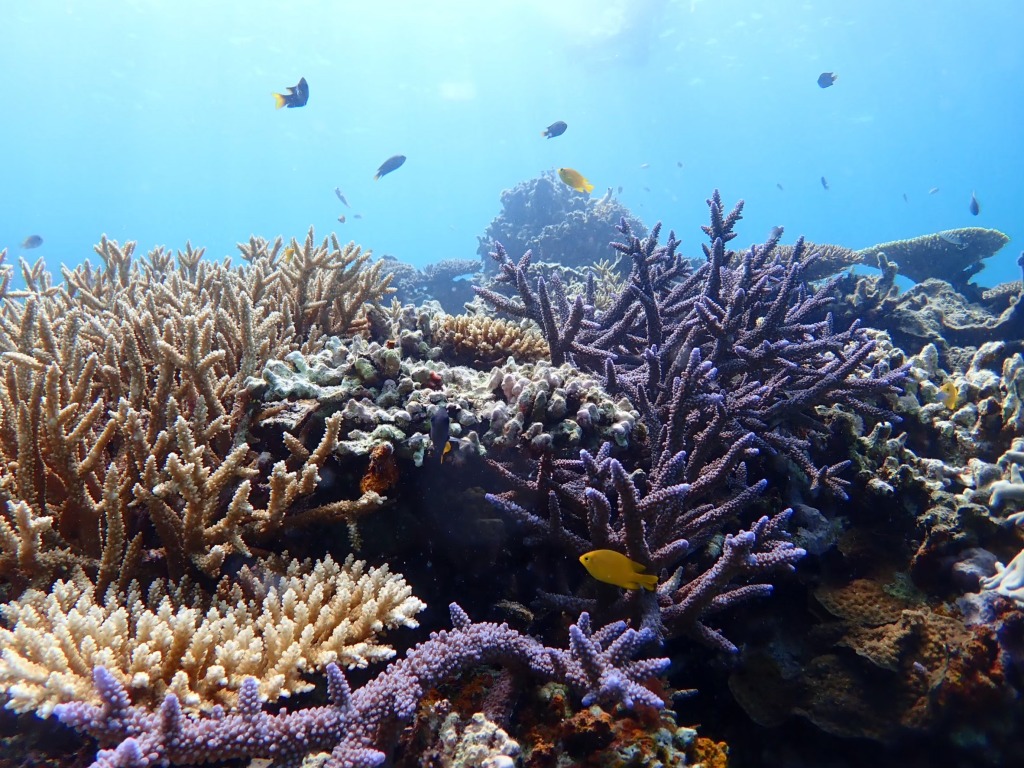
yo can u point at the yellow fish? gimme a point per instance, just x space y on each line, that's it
949 395
575 180
288 253
613 567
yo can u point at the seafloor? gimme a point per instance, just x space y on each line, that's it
323 509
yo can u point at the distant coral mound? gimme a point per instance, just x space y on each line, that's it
556 223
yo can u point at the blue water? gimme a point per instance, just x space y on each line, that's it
154 121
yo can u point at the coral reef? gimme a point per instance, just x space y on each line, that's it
721 361
190 453
387 394
449 282
547 217
933 312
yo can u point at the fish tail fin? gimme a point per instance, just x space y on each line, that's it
648 581
588 187
279 101
376 176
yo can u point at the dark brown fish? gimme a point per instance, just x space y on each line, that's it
32 241
297 96
825 79
557 128
338 192
781 189
905 200
824 182
974 208
392 163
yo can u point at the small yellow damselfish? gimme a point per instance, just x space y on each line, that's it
576 180
949 395
613 567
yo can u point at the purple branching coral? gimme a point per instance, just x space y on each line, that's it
725 363
359 727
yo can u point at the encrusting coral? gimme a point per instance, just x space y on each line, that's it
274 627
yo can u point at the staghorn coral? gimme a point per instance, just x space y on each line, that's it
169 639
359 727
324 286
121 390
725 363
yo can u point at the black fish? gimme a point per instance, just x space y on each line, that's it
32 241
781 189
557 128
337 191
679 163
440 423
392 163
905 198
357 215
297 96
825 79
974 208
824 182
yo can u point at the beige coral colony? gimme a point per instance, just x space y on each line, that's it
128 482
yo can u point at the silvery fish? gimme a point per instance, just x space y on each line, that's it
951 237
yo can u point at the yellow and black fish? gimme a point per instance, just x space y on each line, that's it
392 163
949 395
297 96
440 440
576 180
557 128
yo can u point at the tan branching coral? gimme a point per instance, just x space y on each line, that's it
481 341
124 420
324 285
274 627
